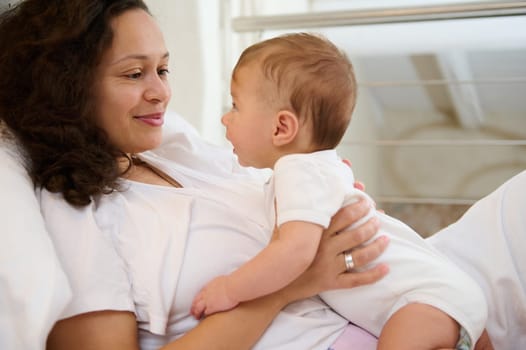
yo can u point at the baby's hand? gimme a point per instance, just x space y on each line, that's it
212 298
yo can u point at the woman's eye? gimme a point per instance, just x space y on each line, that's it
163 72
134 75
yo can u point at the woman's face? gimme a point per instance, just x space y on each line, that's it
131 87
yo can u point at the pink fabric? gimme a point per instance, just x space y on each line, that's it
354 337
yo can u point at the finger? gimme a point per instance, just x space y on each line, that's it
348 215
348 261
368 253
355 279
198 308
348 162
359 185
209 310
350 239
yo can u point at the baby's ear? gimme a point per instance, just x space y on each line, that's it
286 126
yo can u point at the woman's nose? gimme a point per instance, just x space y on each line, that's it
158 89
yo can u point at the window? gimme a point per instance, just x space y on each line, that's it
441 114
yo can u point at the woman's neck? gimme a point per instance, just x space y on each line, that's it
144 172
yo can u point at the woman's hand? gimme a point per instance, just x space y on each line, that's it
328 270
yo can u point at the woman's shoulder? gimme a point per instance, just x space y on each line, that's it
85 244
61 216
11 151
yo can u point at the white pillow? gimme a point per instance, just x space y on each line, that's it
33 288
488 242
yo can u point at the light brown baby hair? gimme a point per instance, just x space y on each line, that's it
313 78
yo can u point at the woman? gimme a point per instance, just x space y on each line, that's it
79 116
84 91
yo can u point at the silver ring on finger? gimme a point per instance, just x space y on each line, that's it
349 262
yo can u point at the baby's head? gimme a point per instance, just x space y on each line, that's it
309 76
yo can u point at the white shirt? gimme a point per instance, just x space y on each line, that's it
150 249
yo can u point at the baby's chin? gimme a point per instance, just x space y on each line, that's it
244 163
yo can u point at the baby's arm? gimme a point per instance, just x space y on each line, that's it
283 260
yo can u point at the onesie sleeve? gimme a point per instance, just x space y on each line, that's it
307 190
96 273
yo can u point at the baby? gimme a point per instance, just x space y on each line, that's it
293 97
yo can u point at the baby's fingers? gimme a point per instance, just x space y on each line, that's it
198 306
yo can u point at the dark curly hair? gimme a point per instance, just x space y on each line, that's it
49 50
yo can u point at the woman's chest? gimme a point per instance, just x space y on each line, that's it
173 242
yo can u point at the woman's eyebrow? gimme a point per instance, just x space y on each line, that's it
138 57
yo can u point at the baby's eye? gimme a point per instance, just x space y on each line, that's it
234 107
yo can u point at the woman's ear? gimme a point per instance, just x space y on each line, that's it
286 127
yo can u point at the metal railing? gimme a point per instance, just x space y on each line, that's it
378 16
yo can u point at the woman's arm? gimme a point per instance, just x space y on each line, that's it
241 327
101 330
